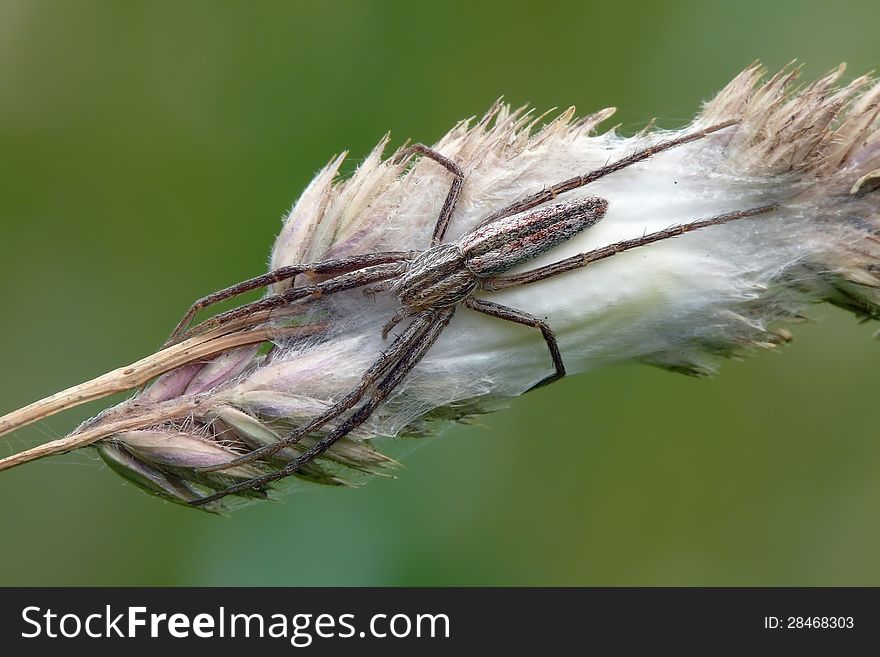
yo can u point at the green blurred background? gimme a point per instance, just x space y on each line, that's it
147 152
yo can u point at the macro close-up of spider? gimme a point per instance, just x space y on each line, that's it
431 285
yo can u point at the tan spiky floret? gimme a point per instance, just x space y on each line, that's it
682 304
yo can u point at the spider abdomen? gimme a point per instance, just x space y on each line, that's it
502 244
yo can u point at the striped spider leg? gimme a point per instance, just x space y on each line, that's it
362 270
430 285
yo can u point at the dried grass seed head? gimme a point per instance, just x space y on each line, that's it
681 304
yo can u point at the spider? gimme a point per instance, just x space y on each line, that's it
432 284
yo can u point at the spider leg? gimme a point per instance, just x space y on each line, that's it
355 279
415 352
326 267
549 193
583 259
384 286
398 317
454 190
520 317
401 346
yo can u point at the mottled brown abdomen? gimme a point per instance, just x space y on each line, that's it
501 245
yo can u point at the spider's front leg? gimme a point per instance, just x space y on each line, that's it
410 354
333 267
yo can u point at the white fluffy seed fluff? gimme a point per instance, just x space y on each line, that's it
682 304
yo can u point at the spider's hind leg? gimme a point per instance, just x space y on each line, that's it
398 350
333 267
549 193
355 278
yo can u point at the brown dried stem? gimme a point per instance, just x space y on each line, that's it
128 378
